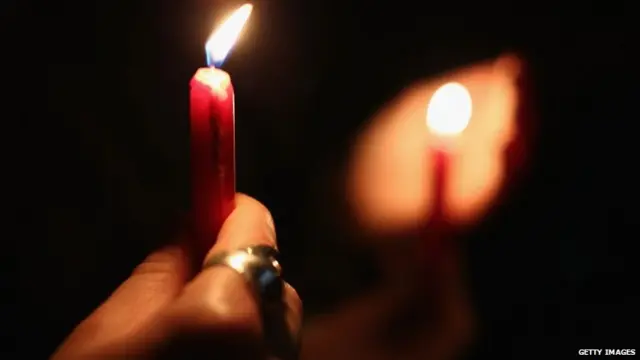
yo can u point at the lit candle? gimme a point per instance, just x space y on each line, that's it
448 114
212 135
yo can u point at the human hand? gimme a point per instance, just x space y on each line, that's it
390 189
162 311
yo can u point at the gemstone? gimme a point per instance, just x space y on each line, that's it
269 283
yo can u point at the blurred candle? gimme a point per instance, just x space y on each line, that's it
448 114
212 119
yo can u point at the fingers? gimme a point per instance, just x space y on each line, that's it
218 300
156 310
153 284
120 324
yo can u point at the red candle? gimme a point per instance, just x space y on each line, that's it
440 162
448 114
212 118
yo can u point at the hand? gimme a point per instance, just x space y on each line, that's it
160 311
390 189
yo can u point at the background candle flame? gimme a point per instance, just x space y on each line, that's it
223 39
449 109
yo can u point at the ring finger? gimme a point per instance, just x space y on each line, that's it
219 300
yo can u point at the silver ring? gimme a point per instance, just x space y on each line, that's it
259 266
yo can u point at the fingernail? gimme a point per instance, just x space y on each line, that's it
272 227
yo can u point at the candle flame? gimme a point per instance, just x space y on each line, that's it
222 40
449 110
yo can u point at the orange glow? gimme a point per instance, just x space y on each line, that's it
223 39
391 174
449 110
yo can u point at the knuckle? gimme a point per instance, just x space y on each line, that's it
162 268
156 268
159 262
219 315
218 300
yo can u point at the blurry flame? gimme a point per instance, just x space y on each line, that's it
222 40
449 110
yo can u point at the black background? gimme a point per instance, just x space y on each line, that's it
102 88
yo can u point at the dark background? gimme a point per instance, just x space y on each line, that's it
104 155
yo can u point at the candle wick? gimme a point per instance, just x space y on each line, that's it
211 61
209 58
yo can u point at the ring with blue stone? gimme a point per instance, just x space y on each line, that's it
259 266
